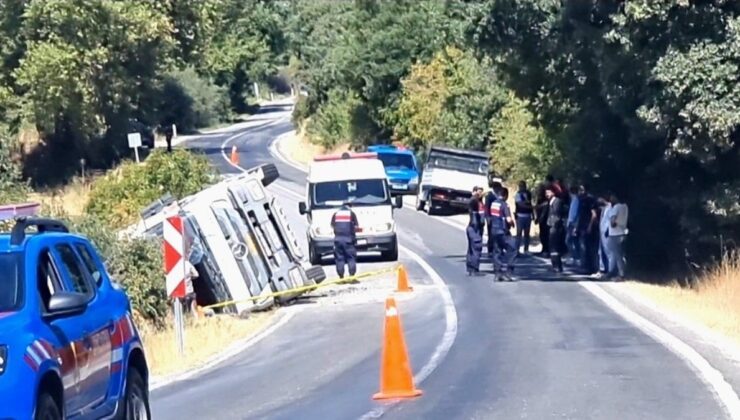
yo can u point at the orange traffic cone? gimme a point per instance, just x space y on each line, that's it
396 379
234 156
403 281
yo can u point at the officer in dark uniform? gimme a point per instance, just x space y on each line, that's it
474 231
344 223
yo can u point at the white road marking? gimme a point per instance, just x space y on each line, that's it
712 377
230 352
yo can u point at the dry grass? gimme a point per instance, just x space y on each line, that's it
714 301
70 199
204 338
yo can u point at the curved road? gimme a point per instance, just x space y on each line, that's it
539 348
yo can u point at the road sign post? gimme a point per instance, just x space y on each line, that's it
175 272
134 142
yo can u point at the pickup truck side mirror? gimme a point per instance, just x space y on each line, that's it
398 202
67 303
302 207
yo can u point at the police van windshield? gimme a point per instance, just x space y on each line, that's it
10 282
367 192
397 161
456 163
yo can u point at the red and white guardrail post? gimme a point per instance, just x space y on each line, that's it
175 272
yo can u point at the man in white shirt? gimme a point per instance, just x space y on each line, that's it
604 208
618 215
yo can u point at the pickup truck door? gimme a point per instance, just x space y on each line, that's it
93 348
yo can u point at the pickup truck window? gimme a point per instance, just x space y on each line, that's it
358 192
11 285
397 161
72 265
48 281
89 262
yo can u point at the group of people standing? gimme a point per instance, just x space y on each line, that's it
590 230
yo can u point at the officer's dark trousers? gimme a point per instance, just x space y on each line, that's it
345 253
545 237
475 247
557 246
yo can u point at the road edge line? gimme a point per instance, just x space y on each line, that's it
712 377
231 351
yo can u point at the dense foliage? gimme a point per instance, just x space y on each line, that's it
79 71
118 197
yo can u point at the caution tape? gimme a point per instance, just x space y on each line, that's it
301 289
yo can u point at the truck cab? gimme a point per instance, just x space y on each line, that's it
360 180
449 177
400 167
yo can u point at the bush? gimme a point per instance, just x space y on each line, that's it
136 264
333 124
117 198
190 101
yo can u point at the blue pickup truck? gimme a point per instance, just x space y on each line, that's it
68 344
400 167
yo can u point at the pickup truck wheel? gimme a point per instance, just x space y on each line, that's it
136 399
420 204
47 408
432 209
313 257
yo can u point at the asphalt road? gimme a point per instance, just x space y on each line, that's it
540 348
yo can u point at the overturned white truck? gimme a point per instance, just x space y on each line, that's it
239 241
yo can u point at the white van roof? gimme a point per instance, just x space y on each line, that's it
345 169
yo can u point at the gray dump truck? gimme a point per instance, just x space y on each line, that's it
239 241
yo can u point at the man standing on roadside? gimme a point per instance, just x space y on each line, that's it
572 239
524 213
588 229
556 222
604 209
474 231
618 216
542 210
344 222
500 222
491 197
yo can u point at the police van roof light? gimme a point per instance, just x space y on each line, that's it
346 155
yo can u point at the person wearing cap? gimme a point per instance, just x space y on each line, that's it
474 231
344 223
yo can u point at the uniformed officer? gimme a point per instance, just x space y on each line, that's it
490 199
500 221
474 231
344 223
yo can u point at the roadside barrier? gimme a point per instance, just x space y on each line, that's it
369 275
396 379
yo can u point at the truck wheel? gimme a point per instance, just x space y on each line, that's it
392 254
420 204
313 257
432 209
135 403
47 408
